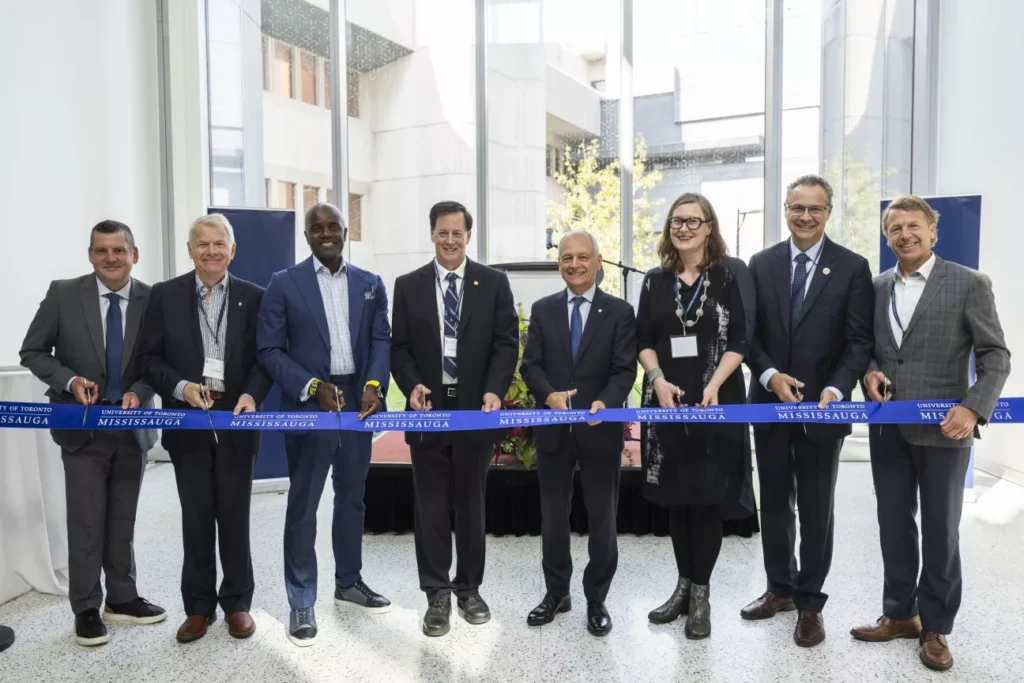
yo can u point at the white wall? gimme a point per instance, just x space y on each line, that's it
980 149
79 134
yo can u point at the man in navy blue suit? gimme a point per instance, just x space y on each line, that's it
323 336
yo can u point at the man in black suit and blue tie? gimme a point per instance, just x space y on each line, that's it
581 347
814 336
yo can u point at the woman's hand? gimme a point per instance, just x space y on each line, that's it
669 395
710 396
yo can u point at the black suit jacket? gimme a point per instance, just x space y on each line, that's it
172 350
832 341
488 346
604 368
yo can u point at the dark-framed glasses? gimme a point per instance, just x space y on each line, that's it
798 210
692 223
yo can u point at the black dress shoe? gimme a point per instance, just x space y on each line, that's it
6 638
599 623
436 621
473 609
545 612
90 629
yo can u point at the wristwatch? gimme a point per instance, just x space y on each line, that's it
313 384
376 388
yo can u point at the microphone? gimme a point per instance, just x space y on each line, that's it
550 243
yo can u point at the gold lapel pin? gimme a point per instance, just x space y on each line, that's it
827 271
475 282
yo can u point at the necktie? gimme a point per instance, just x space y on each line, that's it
451 322
796 294
576 326
115 347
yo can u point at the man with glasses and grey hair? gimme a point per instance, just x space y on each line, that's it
199 352
814 337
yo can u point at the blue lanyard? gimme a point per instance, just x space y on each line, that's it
458 303
696 293
220 316
892 302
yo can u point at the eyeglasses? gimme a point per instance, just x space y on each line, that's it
798 210
692 224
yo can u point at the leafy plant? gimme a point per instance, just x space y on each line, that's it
518 441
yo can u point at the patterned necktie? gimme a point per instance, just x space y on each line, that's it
451 321
796 294
115 347
576 326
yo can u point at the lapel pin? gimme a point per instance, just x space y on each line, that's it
239 303
827 271
599 310
475 283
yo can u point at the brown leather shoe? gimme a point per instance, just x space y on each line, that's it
240 624
886 629
810 629
194 627
767 606
935 652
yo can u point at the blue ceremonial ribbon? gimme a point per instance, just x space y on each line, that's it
70 416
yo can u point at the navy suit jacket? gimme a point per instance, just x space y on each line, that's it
294 341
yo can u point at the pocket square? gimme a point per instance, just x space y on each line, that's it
369 295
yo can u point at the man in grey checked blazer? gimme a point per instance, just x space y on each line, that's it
930 315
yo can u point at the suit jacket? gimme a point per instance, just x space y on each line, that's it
488 342
294 341
830 344
604 368
65 340
955 316
172 351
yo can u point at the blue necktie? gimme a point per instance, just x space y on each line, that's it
576 326
451 322
115 347
796 294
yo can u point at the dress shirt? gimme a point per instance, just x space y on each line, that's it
440 287
209 302
125 294
334 292
588 299
908 292
813 253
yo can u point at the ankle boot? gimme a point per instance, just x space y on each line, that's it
677 604
698 620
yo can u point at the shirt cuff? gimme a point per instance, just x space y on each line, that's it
71 381
179 391
304 396
839 394
766 377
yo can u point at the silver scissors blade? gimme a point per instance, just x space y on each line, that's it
88 402
206 405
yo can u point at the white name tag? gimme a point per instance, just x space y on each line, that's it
213 369
684 346
450 347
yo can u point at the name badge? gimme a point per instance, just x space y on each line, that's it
684 346
213 369
450 346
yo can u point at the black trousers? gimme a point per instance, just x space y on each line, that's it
215 490
696 532
900 470
794 469
599 478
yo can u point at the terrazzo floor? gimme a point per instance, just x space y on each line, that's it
356 647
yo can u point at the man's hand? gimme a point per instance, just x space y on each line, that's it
325 393
959 423
826 397
130 400
78 387
195 395
875 382
245 404
594 407
669 395
418 398
491 402
370 403
783 386
559 400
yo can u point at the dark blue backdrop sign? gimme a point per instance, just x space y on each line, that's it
266 244
959 242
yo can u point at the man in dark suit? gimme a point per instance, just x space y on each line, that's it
813 335
323 336
199 351
581 347
82 344
930 315
455 347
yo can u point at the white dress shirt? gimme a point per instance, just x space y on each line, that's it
440 287
334 293
813 253
125 294
588 297
908 291
214 336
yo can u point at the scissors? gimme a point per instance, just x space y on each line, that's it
337 401
204 392
88 400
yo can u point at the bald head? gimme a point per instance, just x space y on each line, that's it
579 259
326 234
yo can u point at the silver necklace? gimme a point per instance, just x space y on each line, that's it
681 313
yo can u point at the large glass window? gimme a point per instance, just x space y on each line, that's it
309 79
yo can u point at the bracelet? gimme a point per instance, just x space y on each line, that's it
313 386
655 373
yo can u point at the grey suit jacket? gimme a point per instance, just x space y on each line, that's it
955 316
65 339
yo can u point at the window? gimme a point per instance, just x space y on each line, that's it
309 196
308 80
355 217
267 73
285 195
282 69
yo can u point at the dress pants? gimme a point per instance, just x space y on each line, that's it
446 474
215 490
599 478
900 470
102 481
310 456
795 469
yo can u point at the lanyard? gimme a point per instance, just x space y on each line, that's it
458 303
696 293
220 316
895 313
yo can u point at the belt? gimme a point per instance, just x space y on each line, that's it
215 395
450 390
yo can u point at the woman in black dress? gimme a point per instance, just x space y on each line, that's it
691 330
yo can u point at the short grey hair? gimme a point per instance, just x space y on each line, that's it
810 181
575 233
215 220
